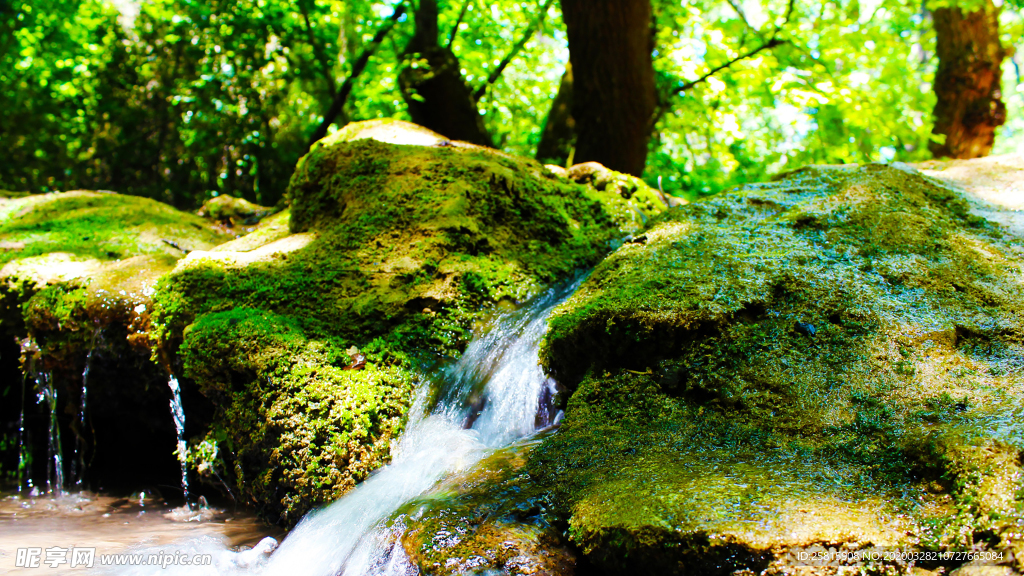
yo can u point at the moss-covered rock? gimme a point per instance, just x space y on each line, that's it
93 258
308 429
78 271
494 519
234 213
394 250
830 358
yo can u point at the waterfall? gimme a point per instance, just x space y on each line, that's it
178 413
80 436
349 537
55 463
493 396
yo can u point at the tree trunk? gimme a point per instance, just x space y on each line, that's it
432 85
559 134
610 45
968 108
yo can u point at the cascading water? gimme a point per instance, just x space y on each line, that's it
493 396
178 413
55 463
348 537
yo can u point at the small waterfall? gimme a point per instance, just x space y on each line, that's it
349 537
178 413
22 461
55 462
80 435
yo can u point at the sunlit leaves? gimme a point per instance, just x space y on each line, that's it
204 97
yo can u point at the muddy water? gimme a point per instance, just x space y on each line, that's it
114 525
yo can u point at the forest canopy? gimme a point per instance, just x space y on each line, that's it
184 100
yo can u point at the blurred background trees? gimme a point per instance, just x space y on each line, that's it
182 100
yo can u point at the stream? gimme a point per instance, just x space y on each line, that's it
494 396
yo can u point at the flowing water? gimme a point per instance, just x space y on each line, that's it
178 413
22 460
55 463
493 396
80 435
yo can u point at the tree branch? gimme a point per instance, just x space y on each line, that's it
766 46
739 11
660 112
789 14
318 50
496 73
357 68
455 29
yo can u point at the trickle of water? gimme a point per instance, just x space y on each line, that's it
178 413
22 463
55 463
80 437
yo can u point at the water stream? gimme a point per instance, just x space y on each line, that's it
493 396
22 446
80 435
46 392
178 413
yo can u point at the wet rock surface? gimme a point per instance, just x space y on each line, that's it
831 358
492 519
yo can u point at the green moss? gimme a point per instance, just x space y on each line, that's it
90 259
310 427
99 226
76 262
492 519
395 250
816 327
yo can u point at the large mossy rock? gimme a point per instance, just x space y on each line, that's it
831 358
307 342
77 274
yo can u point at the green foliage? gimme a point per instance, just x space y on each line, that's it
850 85
190 100
50 56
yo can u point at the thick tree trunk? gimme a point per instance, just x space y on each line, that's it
610 44
433 88
969 108
559 134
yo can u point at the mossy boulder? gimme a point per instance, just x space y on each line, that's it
82 261
493 519
78 272
234 213
394 251
832 358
